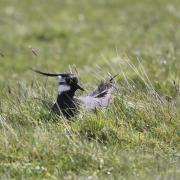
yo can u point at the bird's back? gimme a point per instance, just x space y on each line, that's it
100 97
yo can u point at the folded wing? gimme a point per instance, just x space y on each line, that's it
100 97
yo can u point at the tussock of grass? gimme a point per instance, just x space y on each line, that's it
137 136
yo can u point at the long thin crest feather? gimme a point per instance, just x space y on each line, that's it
52 74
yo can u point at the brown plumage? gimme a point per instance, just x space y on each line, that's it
100 97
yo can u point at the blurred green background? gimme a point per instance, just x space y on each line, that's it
86 33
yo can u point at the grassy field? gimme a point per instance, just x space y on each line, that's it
138 136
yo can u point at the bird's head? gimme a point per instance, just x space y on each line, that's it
67 82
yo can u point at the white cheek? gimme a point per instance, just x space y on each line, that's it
63 88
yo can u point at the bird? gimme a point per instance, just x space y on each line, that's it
68 105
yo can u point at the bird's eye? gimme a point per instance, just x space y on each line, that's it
68 80
75 80
71 80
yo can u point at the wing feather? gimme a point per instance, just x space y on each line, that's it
100 97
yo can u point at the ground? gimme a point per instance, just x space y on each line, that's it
138 136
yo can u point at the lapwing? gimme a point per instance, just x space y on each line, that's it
68 105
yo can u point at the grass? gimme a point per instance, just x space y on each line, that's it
138 136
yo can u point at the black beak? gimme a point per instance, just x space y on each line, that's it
79 87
